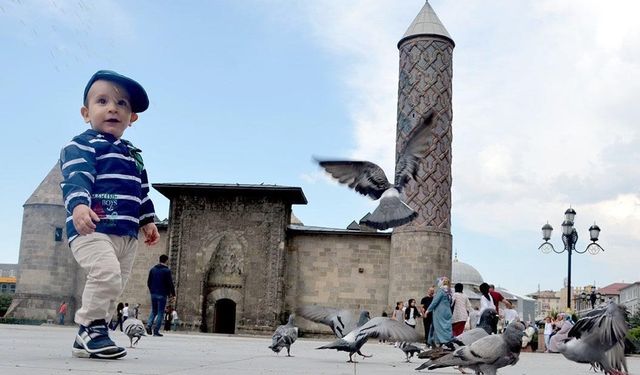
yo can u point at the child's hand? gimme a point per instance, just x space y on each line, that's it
84 219
151 235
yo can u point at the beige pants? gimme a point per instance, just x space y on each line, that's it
107 259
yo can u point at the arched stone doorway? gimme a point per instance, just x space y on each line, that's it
224 316
222 311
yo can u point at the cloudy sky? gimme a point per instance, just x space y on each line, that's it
544 111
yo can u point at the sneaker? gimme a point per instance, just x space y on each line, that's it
148 330
158 334
94 342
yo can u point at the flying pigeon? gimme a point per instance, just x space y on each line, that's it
483 329
379 327
284 337
409 350
133 328
369 179
486 355
598 339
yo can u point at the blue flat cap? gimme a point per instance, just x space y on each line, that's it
139 98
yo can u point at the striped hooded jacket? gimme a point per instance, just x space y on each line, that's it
108 175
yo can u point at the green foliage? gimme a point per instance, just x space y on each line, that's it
634 336
634 320
5 301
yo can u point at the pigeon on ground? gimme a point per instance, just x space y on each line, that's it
483 329
598 339
369 179
134 328
352 341
486 355
284 337
409 350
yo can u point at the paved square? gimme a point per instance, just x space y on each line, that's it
40 350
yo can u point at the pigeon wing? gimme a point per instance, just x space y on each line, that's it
387 329
341 322
605 327
414 150
486 350
471 336
364 177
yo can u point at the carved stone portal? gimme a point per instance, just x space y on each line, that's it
223 285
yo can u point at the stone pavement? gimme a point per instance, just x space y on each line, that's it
39 350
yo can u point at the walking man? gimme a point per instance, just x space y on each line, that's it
160 285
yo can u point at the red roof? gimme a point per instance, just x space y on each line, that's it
612 289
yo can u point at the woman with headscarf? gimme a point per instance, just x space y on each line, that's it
441 307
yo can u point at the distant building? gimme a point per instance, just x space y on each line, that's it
8 277
630 297
611 292
546 301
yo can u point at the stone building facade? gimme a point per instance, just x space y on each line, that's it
241 264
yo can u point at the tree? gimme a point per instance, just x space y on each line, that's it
5 301
634 320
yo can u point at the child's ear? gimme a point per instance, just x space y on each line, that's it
134 117
84 111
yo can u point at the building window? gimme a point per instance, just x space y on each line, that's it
58 234
12 273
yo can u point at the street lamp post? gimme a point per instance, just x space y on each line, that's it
592 298
570 238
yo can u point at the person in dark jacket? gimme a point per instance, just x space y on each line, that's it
160 285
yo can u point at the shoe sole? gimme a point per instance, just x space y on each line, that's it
82 353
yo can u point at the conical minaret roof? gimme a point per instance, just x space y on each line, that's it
426 23
48 192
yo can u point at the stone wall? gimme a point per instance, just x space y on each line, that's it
340 269
229 247
418 259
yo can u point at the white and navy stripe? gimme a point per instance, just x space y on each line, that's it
99 171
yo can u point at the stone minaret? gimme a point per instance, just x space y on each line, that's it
421 250
47 269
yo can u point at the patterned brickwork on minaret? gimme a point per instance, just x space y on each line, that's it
425 83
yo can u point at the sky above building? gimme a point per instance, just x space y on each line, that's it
544 111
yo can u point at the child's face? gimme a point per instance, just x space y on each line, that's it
108 108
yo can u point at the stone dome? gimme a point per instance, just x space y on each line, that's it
464 274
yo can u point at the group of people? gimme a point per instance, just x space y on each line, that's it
122 314
556 331
446 314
